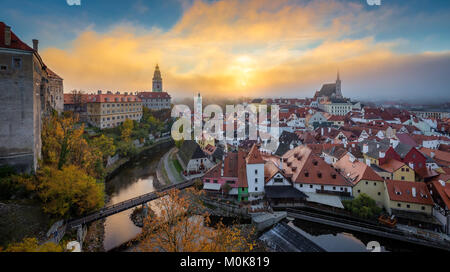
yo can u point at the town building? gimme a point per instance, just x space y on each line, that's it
440 191
398 170
408 197
193 159
365 180
155 100
111 110
29 90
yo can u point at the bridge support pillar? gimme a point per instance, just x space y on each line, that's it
81 234
145 210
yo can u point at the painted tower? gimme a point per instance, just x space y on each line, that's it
157 80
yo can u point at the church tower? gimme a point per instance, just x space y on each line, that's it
157 80
338 86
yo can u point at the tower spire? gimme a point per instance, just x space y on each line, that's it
157 80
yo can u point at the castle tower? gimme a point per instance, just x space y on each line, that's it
338 86
157 80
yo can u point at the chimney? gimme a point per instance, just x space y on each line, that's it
321 131
35 44
432 155
414 191
365 148
7 35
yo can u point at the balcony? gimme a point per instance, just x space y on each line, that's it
328 192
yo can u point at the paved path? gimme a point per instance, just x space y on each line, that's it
170 168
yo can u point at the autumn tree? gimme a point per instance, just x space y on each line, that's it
63 144
105 145
178 225
69 191
32 245
126 130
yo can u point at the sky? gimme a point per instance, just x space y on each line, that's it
253 48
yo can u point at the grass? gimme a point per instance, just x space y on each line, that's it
177 165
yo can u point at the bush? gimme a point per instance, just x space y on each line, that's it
363 206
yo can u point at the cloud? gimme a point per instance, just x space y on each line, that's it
236 48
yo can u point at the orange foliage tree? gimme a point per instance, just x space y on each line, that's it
178 225
63 144
69 191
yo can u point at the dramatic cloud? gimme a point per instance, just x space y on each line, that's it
247 48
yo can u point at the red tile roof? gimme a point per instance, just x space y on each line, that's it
16 43
254 156
402 191
153 95
392 165
306 167
438 154
356 171
443 191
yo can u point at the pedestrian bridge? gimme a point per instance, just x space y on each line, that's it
125 205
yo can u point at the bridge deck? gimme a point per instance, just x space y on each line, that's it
125 205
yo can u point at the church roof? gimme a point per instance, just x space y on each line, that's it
327 90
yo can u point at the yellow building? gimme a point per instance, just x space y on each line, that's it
365 179
398 170
408 196
110 110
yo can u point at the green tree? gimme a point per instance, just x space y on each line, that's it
363 206
69 191
105 145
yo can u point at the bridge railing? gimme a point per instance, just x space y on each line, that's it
118 207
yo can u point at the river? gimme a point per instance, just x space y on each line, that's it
134 180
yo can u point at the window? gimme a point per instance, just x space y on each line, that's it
256 171
408 206
359 191
399 205
407 169
278 180
215 181
310 186
374 184
3 68
423 208
379 193
403 178
207 180
17 63
256 180
256 189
